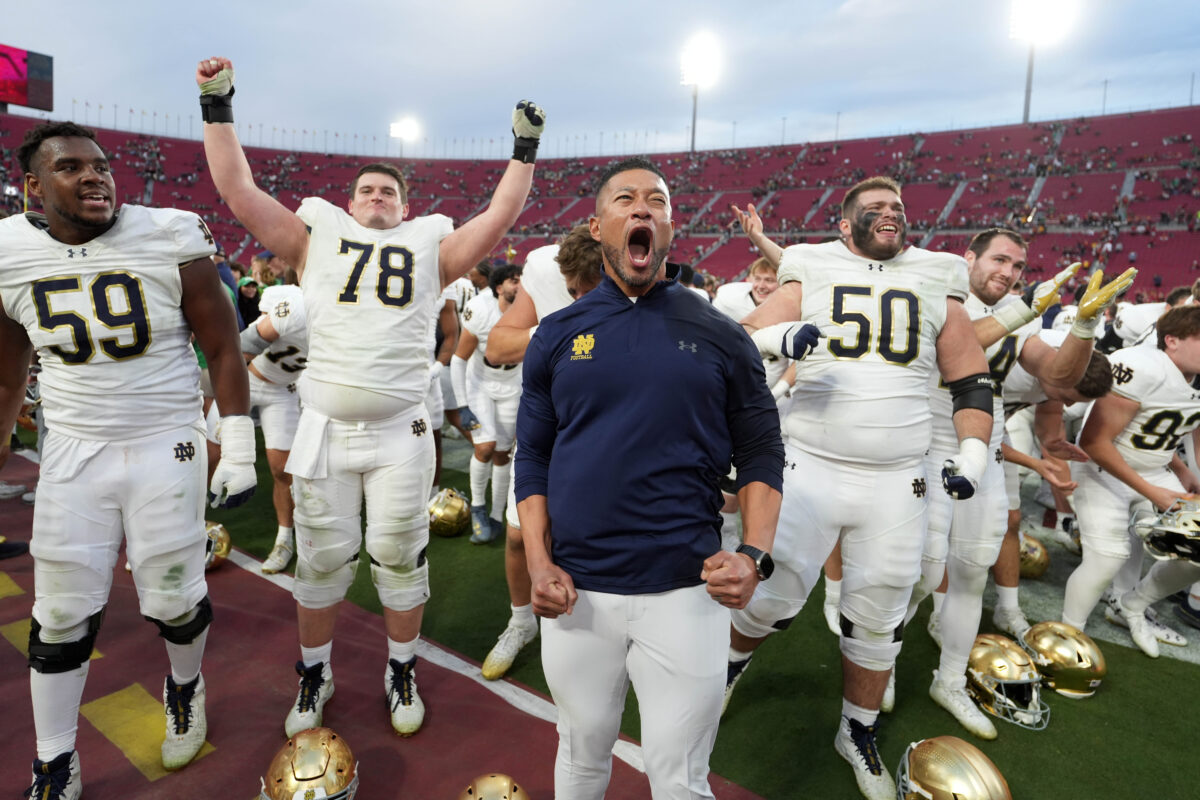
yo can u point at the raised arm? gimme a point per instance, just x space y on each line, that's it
511 334
266 218
477 237
752 226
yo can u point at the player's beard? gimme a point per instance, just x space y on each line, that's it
863 236
615 258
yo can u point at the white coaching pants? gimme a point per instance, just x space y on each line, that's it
673 647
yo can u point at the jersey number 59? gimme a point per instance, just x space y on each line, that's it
122 287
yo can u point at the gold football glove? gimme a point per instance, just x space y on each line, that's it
1096 298
1033 305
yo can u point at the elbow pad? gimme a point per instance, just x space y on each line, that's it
974 391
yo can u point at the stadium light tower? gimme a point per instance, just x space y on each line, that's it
406 130
699 64
1040 22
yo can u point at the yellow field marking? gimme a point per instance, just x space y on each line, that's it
134 721
17 634
8 587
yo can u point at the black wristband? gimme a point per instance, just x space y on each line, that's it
525 150
217 107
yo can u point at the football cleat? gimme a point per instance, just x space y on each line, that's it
733 674
481 526
316 687
1188 614
889 694
504 652
57 779
1138 625
1011 621
10 490
935 628
280 557
855 743
187 724
404 703
1114 613
1067 534
956 700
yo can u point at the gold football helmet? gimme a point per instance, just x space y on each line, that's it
1069 661
1035 558
314 763
449 513
1173 534
495 786
217 548
947 768
1003 681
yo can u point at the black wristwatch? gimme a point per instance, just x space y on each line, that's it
764 565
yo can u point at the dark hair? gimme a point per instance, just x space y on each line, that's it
624 165
850 200
981 241
47 130
1178 295
500 274
383 169
1097 378
1182 323
579 256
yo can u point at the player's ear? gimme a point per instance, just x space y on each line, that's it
970 257
33 186
594 227
844 227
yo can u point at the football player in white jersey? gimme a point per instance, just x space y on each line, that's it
371 280
493 391
110 299
461 291
1132 436
553 278
891 318
1134 322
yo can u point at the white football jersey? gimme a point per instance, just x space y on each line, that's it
481 315
1169 406
1135 324
1002 358
370 296
1020 388
736 301
543 281
284 360
862 396
460 291
106 320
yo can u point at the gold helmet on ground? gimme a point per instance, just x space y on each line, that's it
315 763
449 513
947 768
1003 681
1173 534
217 548
1069 661
495 786
1035 558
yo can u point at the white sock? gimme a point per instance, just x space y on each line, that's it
938 599
56 709
402 651
523 616
1006 598
865 716
186 658
738 655
283 535
955 680
833 592
480 471
500 478
322 654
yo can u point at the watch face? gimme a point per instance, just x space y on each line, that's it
766 566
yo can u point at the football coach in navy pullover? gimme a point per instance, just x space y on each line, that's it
636 398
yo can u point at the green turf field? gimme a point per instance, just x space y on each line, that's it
1129 740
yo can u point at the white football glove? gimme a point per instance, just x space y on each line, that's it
961 474
219 84
529 120
234 479
793 340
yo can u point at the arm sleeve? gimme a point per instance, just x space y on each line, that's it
458 380
537 424
753 418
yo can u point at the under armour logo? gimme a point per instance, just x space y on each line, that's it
789 464
419 427
874 267
687 345
282 309
71 252
919 488
1121 373
185 451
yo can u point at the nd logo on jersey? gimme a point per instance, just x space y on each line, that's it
581 348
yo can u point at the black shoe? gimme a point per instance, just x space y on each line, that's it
57 779
12 549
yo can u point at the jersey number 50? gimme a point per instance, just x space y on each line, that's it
102 291
387 273
898 308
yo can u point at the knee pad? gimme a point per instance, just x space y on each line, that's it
401 588
315 589
399 544
764 615
185 629
52 657
873 650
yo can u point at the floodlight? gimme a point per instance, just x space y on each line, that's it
701 61
1042 22
405 130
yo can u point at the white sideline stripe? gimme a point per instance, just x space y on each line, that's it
510 693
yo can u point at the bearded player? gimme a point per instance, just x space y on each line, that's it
371 281
110 299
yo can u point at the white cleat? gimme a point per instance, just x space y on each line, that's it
960 705
504 652
187 724
1139 629
316 687
733 674
935 628
57 779
889 694
1011 621
404 703
1115 613
280 556
855 743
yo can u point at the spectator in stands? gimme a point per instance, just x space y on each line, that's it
247 298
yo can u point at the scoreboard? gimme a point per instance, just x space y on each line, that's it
26 78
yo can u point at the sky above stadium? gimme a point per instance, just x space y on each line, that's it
316 74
